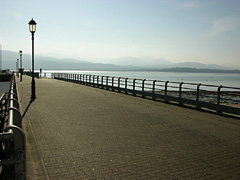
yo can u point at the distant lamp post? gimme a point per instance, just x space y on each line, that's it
18 68
32 29
21 68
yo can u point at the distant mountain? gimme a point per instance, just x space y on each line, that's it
195 70
120 64
49 63
196 65
230 66
142 61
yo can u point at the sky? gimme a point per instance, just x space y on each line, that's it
205 31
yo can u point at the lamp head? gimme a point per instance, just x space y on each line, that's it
32 26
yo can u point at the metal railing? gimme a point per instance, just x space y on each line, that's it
12 138
221 99
29 73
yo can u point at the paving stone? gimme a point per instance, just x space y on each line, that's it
81 132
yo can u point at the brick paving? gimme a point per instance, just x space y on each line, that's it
80 132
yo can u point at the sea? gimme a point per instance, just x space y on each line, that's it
224 79
4 87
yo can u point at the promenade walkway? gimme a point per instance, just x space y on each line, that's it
80 132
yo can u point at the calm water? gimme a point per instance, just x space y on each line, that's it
4 87
232 80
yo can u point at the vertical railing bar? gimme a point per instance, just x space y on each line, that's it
153 90
166 88
218 99
143 81
180 93
126 83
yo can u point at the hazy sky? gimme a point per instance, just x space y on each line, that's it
207 31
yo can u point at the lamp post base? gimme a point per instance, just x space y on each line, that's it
21 73
33 96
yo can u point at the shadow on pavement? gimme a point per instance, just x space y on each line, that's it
30 102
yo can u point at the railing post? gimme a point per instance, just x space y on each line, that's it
197 96
134 87
107 82
143 96
89 80
126 82
78 78
119 79
93 81
165 93
180 93
218 99
102 82
97 81
112 83
80 81
153 90
84 78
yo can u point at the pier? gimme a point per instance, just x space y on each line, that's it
75 131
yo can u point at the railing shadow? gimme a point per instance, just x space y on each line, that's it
29 104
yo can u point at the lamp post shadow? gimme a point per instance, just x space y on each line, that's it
29 104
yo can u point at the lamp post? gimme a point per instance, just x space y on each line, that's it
18 68
32 29
21 68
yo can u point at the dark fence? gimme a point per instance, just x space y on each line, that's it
12 138
221 99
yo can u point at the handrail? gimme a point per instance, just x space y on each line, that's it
13 139
220 99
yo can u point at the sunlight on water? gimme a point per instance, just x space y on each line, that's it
225 79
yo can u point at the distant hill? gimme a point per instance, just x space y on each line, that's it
49 63
197 65
122 64
195 70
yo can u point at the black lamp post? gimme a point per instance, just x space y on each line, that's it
21 68
32 29
18 68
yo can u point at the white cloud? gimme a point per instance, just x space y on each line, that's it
224 25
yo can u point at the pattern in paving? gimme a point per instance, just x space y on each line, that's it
82 132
